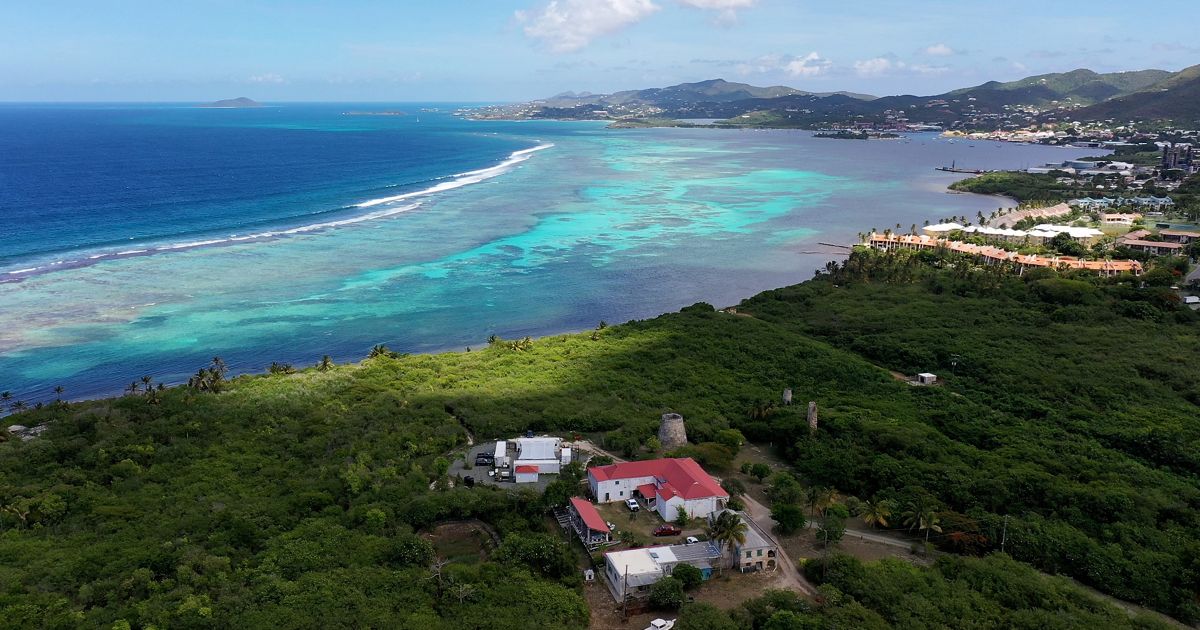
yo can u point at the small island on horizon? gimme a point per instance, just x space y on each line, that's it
232 103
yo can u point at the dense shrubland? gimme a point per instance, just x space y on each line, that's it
300 499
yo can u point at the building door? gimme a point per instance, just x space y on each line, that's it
606 497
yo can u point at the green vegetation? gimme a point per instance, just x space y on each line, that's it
993 592
1064 431
1023 187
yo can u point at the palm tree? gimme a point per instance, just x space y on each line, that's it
325 364
876 513
146 380
133 388
18 406
923 517
58 391
727 530
379 350
820 498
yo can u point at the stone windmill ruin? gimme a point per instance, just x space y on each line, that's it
671 433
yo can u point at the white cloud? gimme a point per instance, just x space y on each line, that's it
269 77
727 9
570 25
809 65
719 5
874 67
939 50
880 66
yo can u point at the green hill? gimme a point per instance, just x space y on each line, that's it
1176 98
1066 418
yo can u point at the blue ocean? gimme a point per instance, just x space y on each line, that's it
145 239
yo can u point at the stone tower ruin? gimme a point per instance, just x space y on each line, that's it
671 433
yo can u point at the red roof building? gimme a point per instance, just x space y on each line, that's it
667 485
589 514
527 469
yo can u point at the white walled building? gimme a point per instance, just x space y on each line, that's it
666 485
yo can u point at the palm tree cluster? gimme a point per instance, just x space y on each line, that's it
728 531
146 384
280 368
211 378
519 345
380 350
325 364
922 516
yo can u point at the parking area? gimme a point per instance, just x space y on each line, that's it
643 523
465 467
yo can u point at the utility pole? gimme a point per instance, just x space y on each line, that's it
1004 534
625 593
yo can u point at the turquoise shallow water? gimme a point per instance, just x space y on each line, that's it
605 224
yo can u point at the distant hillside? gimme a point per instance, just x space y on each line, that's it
682 95
1081 86
1144 94
238 102
1176 98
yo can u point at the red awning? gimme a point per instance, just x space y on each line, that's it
647 490
588 513
527 469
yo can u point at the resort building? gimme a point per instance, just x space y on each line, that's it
1119 218
1155 248
1179 236
1039 235
632 572
666 485
995 255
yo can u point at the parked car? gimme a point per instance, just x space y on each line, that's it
469 481
632 504
691 540
483 459
667 530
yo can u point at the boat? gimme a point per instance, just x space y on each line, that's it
661 624
953 168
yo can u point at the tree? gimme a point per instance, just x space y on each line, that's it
667 594
380 350
728 531
788 517
688 575
731 438
325 364
922 516
820 498
785 489
876 513
1067 246
831 528
682 519
760 471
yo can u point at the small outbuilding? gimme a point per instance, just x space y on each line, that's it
925 378
526 474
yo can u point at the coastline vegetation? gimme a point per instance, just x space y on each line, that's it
1063 433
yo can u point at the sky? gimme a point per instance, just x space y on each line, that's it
514 50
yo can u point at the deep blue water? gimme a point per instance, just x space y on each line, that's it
75 178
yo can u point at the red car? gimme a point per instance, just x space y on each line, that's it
667 530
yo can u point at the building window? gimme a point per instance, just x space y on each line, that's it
748 554
760 553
